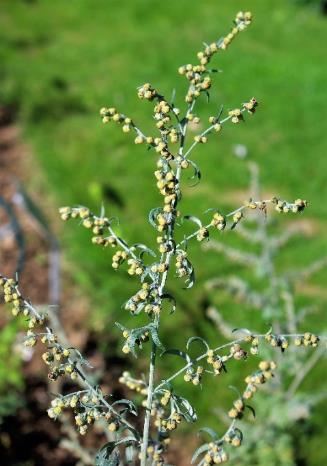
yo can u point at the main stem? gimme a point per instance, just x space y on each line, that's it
146 427
148 404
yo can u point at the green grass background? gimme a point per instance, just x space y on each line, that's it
61 61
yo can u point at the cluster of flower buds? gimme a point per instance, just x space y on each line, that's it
166 183
277 341
135 267
216 361
137 385
157 410
218 221
202 234
215 455
146 298
164 245
254 349
214 121
237 352
251 105
191 118
12 296
192 72
159 267
236 115
182 264
171 423
251 204
283 206
155 452
238 409
164 220
60 362
200 139
261 376
159 145
194 375
308 339
57 354
164 400
140 297
146 92
31 339
89 220
164 423
111 114
98 225
234 437
198 81
128 346
237 217
153 308
174 135
196 74
242 20
258 378
161 115
118 258
105 240
85 407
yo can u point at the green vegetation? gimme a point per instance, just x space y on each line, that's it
61 61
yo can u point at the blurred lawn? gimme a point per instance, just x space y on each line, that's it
61 61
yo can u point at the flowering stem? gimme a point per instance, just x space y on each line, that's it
148 405
83 380
227 345
165 259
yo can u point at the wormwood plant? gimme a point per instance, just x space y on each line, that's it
263 288
142 433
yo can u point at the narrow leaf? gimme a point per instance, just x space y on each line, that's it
202 449
213 434
192 339
251 409
177 352
193 219
153 215
172 300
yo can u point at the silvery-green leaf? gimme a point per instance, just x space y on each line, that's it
192 339
251 409
242 330
143 249
171 299
197 173
185 408
177 352
235 390
153 216
202 449
193 219
213 434
129 403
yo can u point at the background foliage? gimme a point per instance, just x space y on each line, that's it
61 61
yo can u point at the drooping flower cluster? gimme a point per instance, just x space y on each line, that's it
89 405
